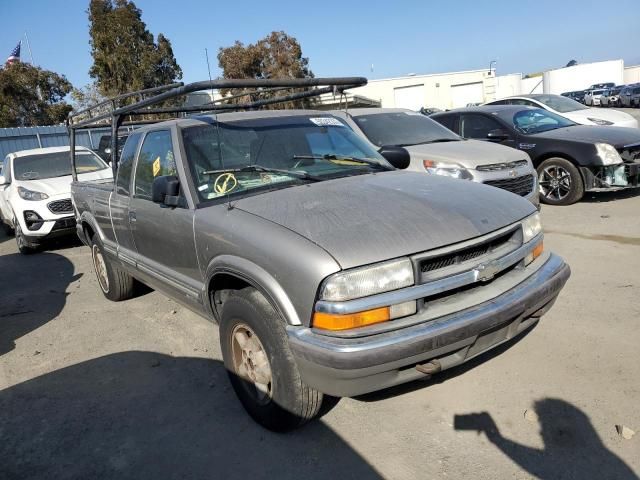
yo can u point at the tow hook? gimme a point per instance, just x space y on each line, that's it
429 368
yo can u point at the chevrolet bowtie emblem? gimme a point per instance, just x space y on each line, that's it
486 271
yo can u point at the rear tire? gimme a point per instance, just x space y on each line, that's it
260 364
560 182
115 283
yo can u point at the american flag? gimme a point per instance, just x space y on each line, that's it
14 56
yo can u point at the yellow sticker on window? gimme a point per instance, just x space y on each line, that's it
156 166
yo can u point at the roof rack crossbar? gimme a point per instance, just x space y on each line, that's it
176 90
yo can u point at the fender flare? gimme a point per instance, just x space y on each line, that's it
255 276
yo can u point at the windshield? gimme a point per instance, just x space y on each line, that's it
537 120
597 92
56 164
403 129
560 104
274 152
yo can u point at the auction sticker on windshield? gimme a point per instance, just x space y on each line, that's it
327 122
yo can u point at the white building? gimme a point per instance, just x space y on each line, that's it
583 75
442 90
632 74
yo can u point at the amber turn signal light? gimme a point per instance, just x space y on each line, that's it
537 250
330 321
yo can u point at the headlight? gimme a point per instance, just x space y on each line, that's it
599 121
608 154
31 195
447 169
531 227
365 281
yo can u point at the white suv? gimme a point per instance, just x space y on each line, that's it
35 186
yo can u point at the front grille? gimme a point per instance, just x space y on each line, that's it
61 206
494 167
466 254
519 185
64 223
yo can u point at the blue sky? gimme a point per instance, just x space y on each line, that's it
346 38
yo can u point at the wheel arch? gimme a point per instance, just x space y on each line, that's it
227 273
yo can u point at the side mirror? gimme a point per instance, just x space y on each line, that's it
3 181
107 150
497 135
165 190
397 156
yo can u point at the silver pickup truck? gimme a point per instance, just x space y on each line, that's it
329 271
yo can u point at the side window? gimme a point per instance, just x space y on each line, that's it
155 159
125 165
477 126
447 121
501 102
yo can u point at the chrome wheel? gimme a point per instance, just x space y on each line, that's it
100 268
555 183
250 362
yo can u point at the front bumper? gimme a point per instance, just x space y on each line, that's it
611 178
352 366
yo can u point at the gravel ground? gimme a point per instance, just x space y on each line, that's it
91 389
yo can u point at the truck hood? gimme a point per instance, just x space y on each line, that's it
616 136
61 185
369 218
468 153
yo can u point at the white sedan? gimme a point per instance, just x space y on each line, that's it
35 192
572 110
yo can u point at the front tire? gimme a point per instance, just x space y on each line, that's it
260 364
115 283
560 182
24 246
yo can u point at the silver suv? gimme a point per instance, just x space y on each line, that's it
436 150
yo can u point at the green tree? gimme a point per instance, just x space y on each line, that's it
278 55
31 96
125 55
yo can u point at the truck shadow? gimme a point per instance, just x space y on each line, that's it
146 415
572 447
33 292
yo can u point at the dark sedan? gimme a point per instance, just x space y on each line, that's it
570 159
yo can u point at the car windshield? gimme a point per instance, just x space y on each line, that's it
274 152
560 104
537 120
56 164
403 129
597 92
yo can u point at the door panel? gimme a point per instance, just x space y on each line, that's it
163 236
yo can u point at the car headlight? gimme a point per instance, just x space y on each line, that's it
531 227
608 154
452 170
599 121
31 195
365 281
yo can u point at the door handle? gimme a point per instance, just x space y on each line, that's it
132 216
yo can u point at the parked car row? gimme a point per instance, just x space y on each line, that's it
608 95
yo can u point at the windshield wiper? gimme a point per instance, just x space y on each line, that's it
330 157
437 140
259 168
